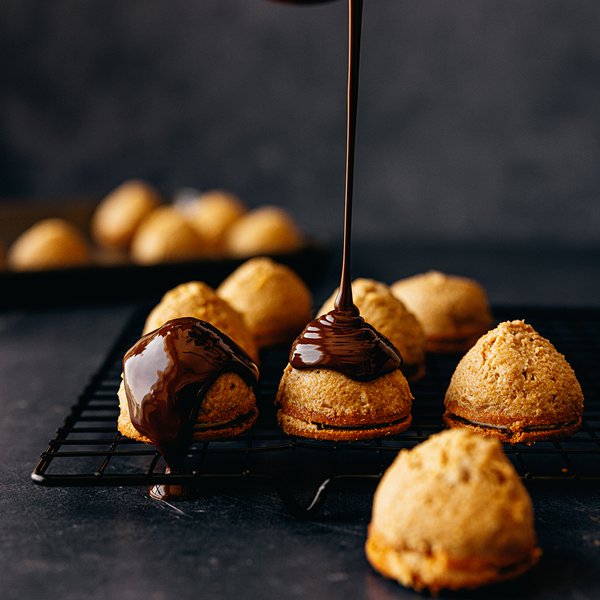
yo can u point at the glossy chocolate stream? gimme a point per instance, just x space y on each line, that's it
341 340
166 375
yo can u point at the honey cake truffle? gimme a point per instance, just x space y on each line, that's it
186 381
515 386
198 300
275 302
452 513
326 405
379 307
120 213
343 381
49 244
165 236
454 311
265 230
211 215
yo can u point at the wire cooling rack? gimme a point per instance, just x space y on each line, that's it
88 450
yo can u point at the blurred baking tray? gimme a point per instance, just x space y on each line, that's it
114 278
88 451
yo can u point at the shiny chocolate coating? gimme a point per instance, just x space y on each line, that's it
343 341
166 375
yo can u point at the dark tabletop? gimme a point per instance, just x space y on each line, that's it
238 542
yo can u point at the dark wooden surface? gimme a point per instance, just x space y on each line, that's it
239 542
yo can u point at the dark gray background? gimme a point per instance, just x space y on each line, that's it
478 120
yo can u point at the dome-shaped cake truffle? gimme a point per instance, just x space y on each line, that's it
165 236
120 213
211 215
379 307
198 300
451 513
514 385
454 311
265 230
186 381
327 405
275 302
49 244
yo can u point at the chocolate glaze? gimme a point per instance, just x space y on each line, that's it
166 375
341 340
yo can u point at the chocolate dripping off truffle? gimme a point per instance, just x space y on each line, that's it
166 375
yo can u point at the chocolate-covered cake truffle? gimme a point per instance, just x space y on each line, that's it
186 381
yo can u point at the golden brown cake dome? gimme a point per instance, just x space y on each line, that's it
196 299
327 405
49 244
454 311
451 513
379 307
514 385
211 215
265 230
120 213
165 236
275 302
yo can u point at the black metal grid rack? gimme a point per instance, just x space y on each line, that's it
88 450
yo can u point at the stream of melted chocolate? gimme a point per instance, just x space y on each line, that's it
341 340
166 375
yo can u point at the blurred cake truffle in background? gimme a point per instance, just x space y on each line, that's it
265 230
514 385
452 513
2 256
198 300
275 302
212 214
166 236
49 244
379 307
453 311
186 381
120 213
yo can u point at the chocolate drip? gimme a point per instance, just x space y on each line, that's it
343 301
342 341
166 375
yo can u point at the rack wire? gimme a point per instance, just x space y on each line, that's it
87 449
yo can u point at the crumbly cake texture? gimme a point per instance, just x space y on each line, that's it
265 230
212 214
379 307
454 311
275 302
227 409
198 300
120 213
451 513
163 236
325 404
514 385
49 244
